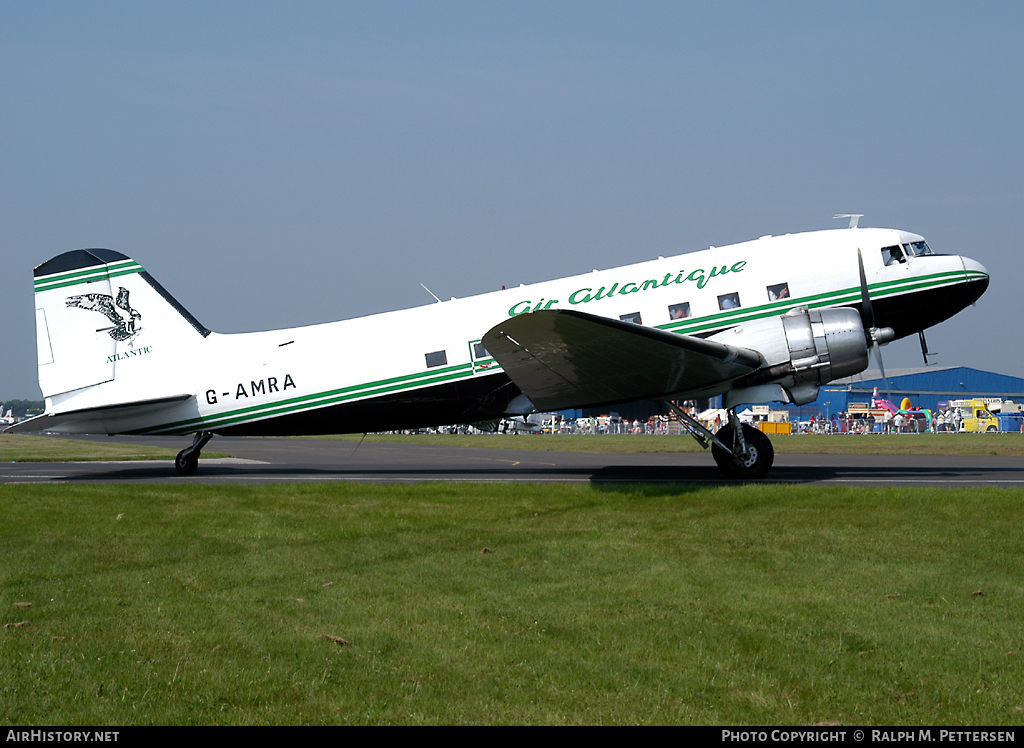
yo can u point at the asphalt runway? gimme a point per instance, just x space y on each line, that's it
272 460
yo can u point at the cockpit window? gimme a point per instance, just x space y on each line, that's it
918 249
893 255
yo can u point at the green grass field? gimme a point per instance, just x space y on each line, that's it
464 603
30 448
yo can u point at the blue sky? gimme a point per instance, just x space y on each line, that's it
278 164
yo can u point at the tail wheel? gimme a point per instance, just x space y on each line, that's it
752 464
186 464
187 461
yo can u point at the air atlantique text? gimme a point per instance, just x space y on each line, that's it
586 295
130 353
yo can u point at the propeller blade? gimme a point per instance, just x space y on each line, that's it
873 335
867 311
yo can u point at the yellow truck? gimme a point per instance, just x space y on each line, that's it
976 415
770 421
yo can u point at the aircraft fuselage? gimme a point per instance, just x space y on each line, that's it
426 366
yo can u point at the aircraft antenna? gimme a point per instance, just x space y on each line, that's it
431 293
358 445
854 218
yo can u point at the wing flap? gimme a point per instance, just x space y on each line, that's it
561 358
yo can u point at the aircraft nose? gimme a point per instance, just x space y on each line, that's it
974 269
977 278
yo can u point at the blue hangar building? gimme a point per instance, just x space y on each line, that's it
926 387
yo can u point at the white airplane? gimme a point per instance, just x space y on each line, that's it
766 320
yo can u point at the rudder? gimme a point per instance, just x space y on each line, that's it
99 317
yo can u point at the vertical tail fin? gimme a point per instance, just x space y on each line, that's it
99 317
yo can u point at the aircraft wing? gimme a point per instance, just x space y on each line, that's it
561 358
97 417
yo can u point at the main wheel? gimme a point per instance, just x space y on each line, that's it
754 463
186 464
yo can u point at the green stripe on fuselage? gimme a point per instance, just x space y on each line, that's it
712 323
708 325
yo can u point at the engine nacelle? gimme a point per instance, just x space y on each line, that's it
803 350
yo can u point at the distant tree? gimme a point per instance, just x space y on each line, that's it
23 408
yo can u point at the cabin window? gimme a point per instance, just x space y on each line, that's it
776 293
633 317
893 255
679 311
729 301
479 351
437 358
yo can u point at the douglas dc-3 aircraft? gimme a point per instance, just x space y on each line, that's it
766 320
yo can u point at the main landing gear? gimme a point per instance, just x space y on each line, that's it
187 461
752 452
740 451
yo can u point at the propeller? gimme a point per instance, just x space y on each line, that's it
874 336
924 348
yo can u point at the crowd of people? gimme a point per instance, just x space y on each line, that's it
948 420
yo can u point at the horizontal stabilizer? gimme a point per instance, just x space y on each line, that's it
561 358
98 420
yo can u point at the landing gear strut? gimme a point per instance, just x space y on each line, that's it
187 461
